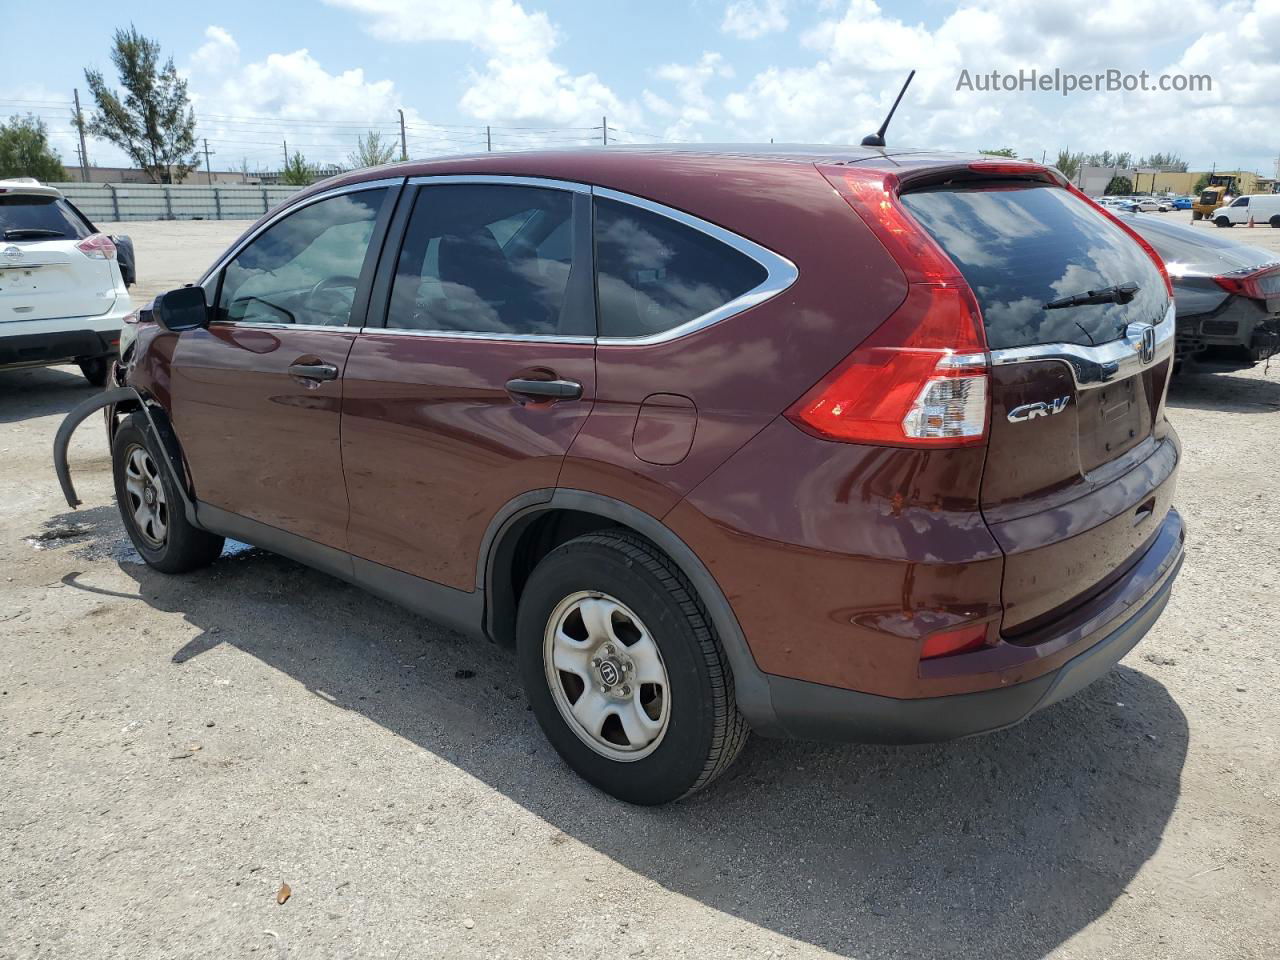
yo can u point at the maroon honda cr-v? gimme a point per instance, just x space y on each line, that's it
830 443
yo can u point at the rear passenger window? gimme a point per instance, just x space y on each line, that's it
654 274
484 258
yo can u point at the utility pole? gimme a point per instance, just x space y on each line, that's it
84 154
286 154
488 137
404 144
604 129
208 170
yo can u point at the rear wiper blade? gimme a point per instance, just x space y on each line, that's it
22 233
1120 293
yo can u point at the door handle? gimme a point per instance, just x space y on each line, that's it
545 389
313 371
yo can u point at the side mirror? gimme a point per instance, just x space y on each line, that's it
181 309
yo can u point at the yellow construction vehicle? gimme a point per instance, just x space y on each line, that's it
1214 195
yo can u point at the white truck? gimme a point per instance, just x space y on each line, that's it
63 285
1264 208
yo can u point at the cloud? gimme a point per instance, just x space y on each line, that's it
291 96
693 110
519 79
860 54
752 19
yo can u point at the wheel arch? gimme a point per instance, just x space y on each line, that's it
533 524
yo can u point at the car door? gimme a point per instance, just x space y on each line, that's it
481 374
256 397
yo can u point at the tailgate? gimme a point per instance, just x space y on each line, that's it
42 281
1080 325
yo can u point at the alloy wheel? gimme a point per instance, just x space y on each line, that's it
145 492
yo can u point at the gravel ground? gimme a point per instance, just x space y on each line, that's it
174 750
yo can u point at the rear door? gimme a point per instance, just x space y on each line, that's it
43 275
1077 480
481 376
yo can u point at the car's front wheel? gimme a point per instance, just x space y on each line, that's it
151 506
624 671
1222 222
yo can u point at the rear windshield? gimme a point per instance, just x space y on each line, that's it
1023 247
25 216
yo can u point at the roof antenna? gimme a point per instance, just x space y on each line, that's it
877 139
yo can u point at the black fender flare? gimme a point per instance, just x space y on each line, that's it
157 423
751 684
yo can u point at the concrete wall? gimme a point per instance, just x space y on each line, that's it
153 201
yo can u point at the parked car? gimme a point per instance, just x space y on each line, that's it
1144 205
1227 293
1182 203
804 442
1262 208
63 284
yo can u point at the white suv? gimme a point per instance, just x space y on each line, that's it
63 295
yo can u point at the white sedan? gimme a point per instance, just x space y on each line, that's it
63 297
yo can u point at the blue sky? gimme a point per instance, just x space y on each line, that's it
795 70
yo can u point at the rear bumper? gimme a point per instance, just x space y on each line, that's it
813 711
41 342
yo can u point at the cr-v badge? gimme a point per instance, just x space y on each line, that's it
1029 411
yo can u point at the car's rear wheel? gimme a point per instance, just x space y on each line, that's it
95 369
624 671
151 507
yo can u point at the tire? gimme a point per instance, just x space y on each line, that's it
1275 221
691 731
151 507
1222 222
1196 214
95 370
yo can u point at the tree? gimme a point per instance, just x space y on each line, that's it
1001 152
371 151
1119 185
1069 163
1201 183
153 122
25 150
1165 161
297 172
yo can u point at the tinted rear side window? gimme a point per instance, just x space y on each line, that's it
654 274
22 212
484 258
1022 247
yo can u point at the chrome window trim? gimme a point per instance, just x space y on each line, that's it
477 335
212 273
1097 366
546 183
780 273
268 325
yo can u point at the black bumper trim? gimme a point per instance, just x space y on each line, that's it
813 711
63 345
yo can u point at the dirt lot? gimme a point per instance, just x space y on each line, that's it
174 749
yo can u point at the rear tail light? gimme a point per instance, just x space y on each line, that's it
961 640
1257 283
98 246
1138 238
920 379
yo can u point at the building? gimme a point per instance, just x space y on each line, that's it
134 175
1094 180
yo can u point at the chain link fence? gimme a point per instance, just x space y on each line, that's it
156 201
